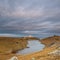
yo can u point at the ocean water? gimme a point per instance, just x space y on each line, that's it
34 46
44 35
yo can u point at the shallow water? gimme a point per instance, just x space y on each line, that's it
33 46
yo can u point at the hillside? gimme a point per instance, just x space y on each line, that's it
10 44
50 52
50 40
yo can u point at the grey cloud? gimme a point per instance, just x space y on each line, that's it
26 16
18 8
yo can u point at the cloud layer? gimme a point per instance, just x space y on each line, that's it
30 16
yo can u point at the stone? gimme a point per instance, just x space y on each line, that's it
13 58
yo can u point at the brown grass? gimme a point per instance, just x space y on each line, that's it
52 43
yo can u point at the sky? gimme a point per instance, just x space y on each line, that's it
29 17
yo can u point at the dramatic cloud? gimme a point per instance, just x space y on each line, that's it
30 16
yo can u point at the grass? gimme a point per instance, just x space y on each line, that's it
8 45
51 43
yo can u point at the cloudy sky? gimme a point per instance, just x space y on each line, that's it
29 17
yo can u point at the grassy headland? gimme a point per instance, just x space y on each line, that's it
50 52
